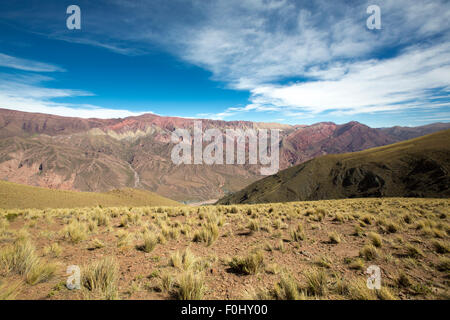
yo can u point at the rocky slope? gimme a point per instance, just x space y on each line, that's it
101 155
415 168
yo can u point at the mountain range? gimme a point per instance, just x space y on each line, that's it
418 167
105 154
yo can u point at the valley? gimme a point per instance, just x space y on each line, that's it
101 155
349 197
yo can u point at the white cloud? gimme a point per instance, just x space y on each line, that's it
369 86
65 110
26 65
265 46
257 42
27 93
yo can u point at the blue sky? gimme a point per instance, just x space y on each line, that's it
296 62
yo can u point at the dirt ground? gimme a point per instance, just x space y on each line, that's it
408 239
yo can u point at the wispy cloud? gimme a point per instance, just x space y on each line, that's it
30 93
117 48
26 65
409 80
296 58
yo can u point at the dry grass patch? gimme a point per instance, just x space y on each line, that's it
316 281
440 247
413 252
251 264
97 244
124 238
298 234
369 252
190 286
40 272
150 240
392 227
22 259
10 291
75 232
208 234
334 238
182 260
54 250
403 280
167 282
357 264
323 262
101 278
443 264
254 225
375 239
287 289
357 290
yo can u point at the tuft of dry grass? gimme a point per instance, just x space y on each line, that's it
440 247
191 286
357 264
150 240
392 227
40 272
369 252
10 291
339 217
273 268
375 239
21 258
54 250
101 278
97 244
385 294
251 264
334 238
182 260
413 252
75 232
357 290
286 289
443 264
298 234
358 231
254 225
124 238
280 246
167 282
323 262
316 281
403 280
208 234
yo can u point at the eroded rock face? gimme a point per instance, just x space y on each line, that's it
361 178
100 155
414 168
427 174
359 181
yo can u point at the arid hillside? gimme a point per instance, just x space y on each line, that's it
415 168
102 155
17 196
299 250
